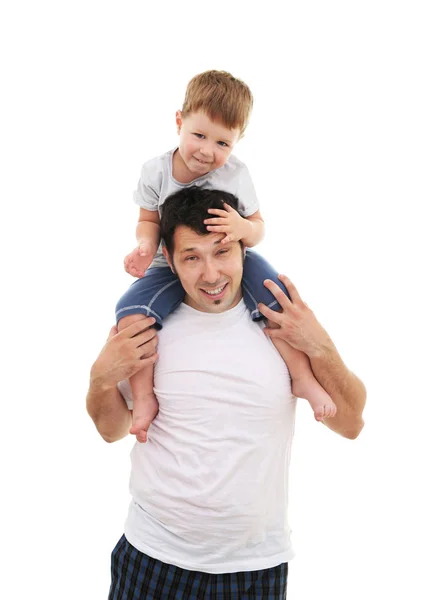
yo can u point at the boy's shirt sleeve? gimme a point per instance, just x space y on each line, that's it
247 197
147 193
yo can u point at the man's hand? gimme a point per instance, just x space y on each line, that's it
297 324
230 222
123 353
139 259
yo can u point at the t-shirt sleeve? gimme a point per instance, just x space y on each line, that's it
147 193
247 197
124 388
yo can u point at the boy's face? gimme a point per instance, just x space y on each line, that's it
204 145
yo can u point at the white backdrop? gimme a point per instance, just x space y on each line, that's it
348 150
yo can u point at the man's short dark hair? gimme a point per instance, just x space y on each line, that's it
189 207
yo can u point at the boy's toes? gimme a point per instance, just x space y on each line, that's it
330 410
142 437
319 414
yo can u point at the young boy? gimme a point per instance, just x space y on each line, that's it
214 117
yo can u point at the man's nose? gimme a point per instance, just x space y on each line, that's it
211 272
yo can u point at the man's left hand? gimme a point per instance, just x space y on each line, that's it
297 324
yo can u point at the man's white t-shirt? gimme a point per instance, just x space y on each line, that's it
210 487
157 183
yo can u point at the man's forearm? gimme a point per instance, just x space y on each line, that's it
108 411
346 390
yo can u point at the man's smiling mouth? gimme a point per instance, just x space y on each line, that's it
215 291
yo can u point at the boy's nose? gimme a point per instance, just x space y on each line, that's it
206 150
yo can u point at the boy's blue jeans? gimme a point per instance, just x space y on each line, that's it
159 292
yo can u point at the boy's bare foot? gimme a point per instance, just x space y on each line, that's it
144 412
321 403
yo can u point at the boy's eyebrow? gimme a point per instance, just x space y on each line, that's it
223 139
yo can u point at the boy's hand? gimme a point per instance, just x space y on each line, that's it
139 259
230 222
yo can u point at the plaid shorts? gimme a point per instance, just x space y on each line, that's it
136 576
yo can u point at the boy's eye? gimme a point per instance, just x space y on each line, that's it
199 135
223 144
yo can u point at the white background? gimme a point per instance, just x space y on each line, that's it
348 150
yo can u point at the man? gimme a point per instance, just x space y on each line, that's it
208 518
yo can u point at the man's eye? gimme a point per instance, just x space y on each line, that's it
191 258
223 251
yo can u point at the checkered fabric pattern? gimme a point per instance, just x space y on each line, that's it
136 576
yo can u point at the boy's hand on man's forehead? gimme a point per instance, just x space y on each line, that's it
228 221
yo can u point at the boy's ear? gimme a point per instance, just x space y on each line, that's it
166 254
178 120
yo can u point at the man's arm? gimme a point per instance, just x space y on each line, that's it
345 389
121 357
299 327
108 411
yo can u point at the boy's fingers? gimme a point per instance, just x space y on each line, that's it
218 228
217 211
216 221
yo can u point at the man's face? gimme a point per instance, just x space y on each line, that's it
210 272
204 145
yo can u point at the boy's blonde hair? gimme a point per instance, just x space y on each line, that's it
222 97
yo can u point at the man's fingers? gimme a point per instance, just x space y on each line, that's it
138 327
146 362
113 331
278 293
273 333
292 290
145 337
270 314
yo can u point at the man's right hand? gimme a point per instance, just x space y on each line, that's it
139 259
122 354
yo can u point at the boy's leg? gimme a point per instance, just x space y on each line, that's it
145 405
303 384
156 294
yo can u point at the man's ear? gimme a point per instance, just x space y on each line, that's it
178 121
166 254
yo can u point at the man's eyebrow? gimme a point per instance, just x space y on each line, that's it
193 249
